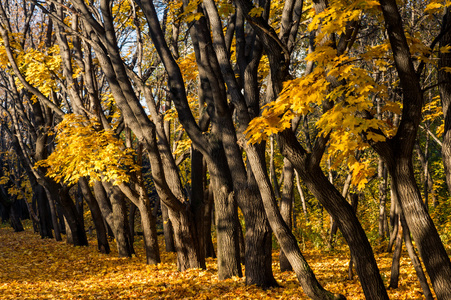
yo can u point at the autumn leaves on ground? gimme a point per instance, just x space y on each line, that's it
32 268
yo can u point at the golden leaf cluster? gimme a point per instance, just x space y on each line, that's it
83 150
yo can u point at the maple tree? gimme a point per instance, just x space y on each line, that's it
109 102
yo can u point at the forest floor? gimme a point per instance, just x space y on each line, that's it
33 268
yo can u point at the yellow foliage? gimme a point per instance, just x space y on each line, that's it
190 12
436 6
84 151
182 146
188 67
256 12
39 69
339 80
335 17
432 112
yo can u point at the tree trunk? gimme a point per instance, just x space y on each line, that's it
111 219
101 231
56 227
416 261
187 253
198 175
131 220
74 220
287 241
140 198
14 218
383 225
286 208
393 220
397 154
69 236
394 277
425 234
167 229
226 216
444 79
301 195
309 170
45 226
354 205
272 169
150 232
120 219
258 241
208 217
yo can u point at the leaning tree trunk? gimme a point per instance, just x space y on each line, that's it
416 261
74 220
421 226
307 166
99 224
107 212
394 275
286 207
285 237
397 153
444 78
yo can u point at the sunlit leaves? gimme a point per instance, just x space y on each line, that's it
39 69
84 150
304 95
182 146
190 13
436 6
335 17
432 112
347 87
188 67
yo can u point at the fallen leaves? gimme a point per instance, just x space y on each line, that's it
34 268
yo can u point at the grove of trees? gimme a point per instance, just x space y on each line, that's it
229 125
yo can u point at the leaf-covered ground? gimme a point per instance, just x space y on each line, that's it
32 268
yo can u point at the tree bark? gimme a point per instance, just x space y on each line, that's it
397 154
308 169
168 231
101 232
286 207
383 224
444 79
416 261
115 224
287 241
394 277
